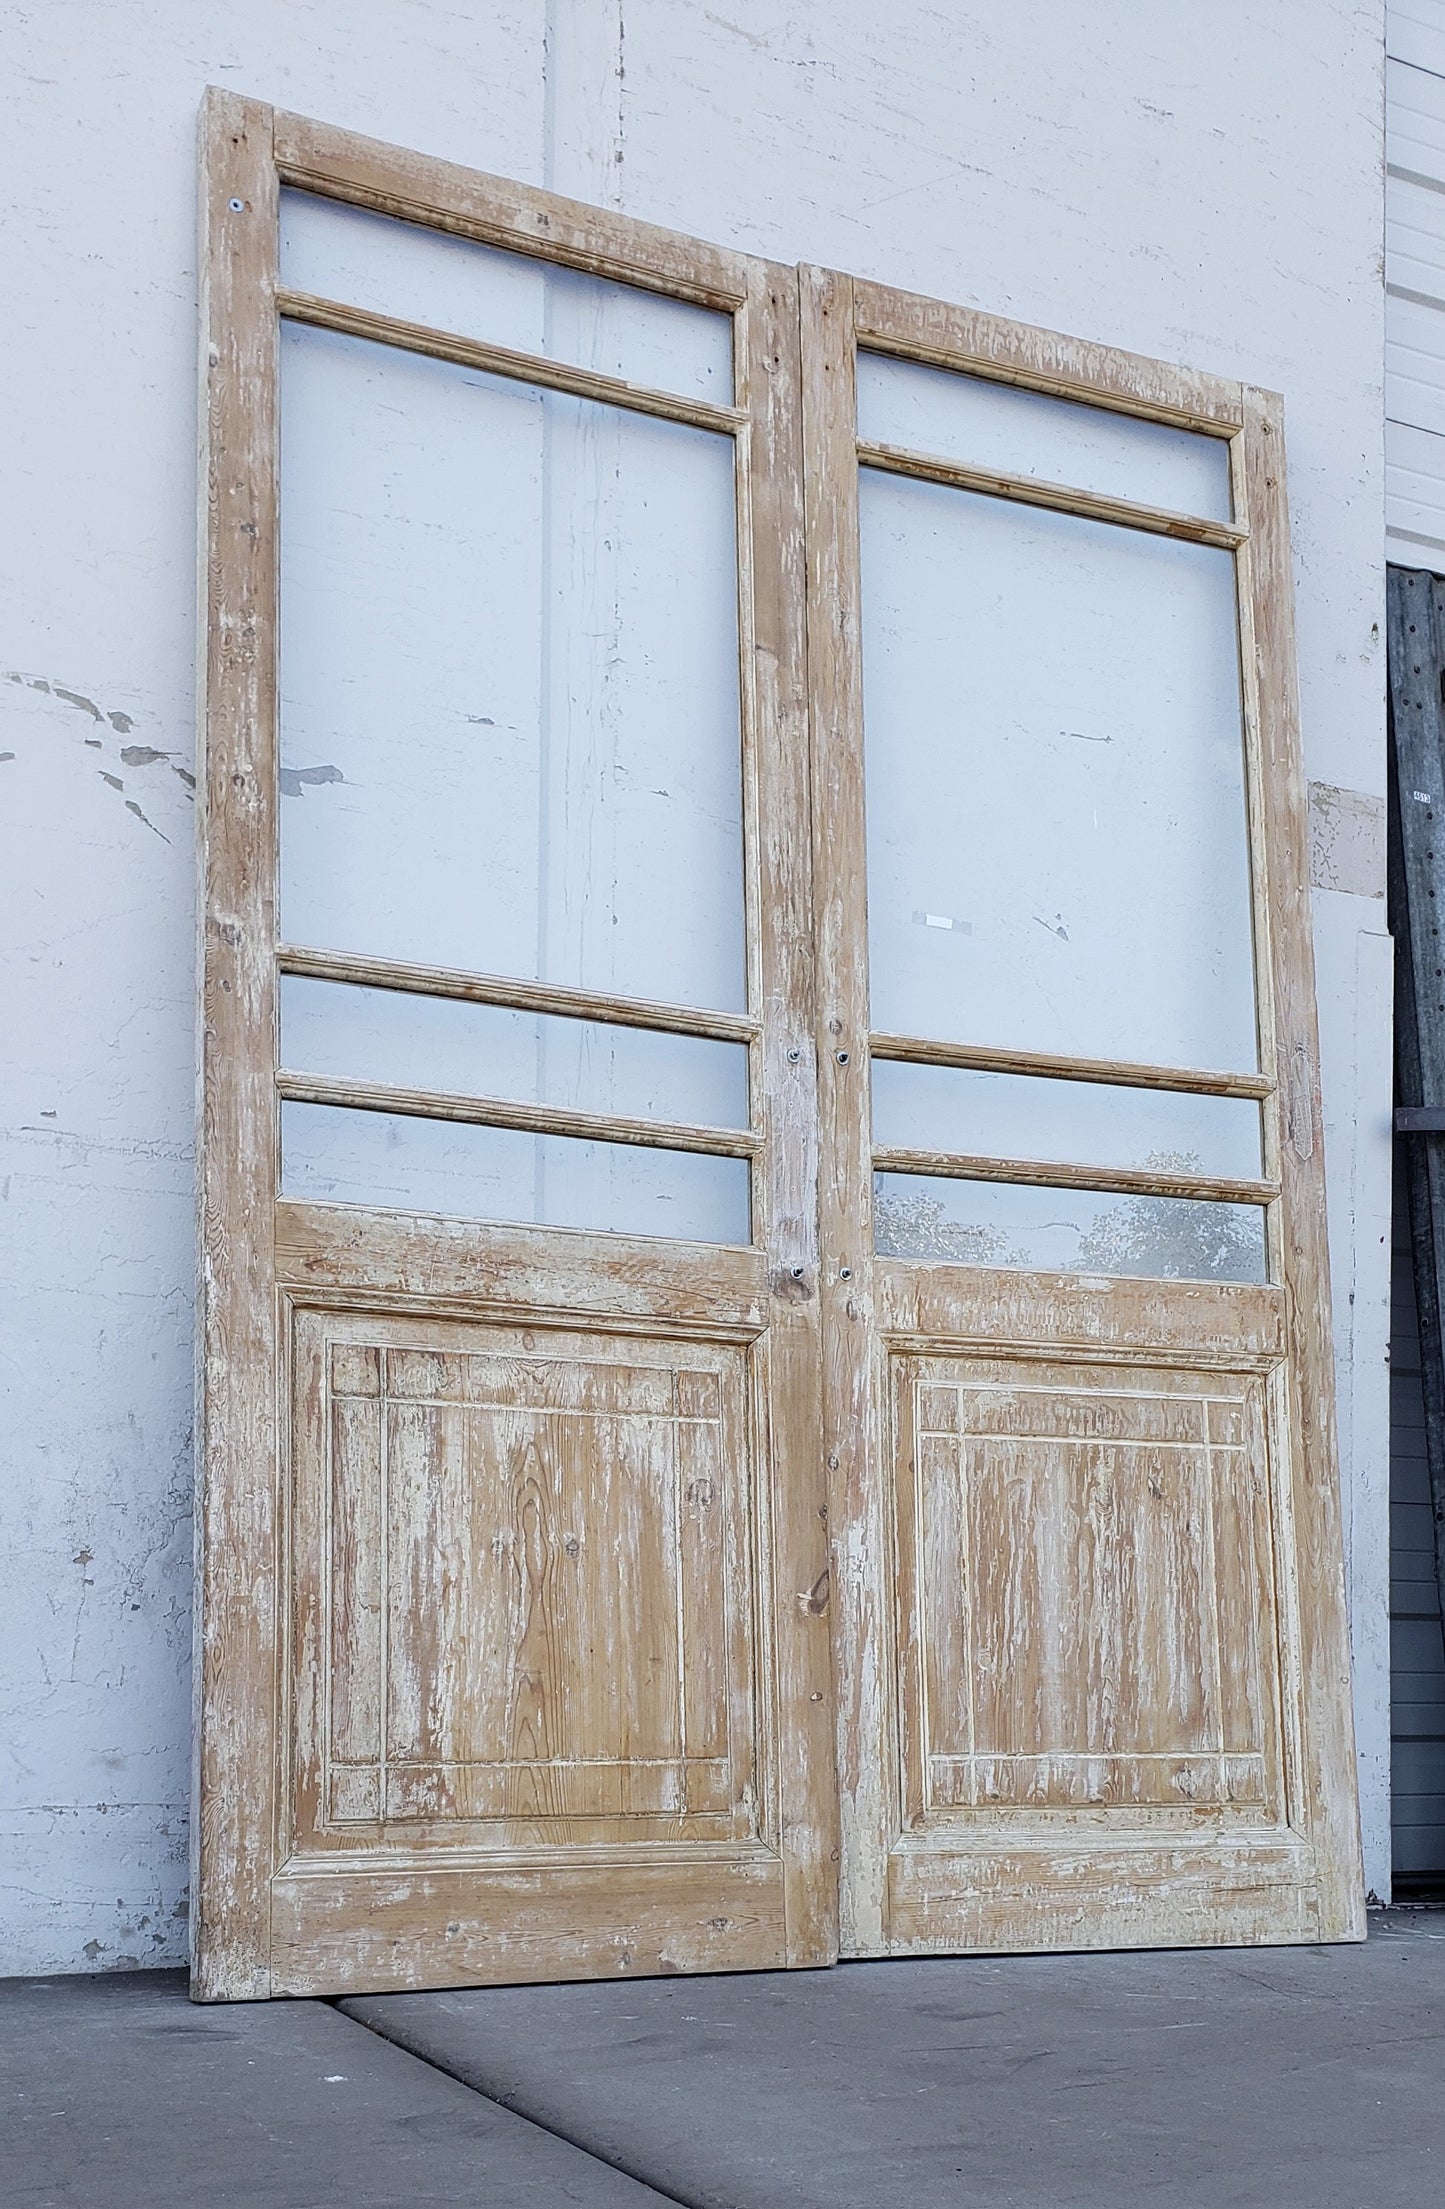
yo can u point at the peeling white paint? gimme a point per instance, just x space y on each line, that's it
1203 185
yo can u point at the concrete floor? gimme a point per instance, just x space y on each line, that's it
1292 2078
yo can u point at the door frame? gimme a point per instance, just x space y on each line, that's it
1282 1331
263 1922
832 1562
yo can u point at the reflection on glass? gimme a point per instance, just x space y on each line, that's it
333 1154
945 1108
991 1223
1024 433
1057 846
509 678
412 1042
478 291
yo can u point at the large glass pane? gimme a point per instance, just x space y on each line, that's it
336 1155
477 291
509 678
993 1223
411 1042
1025 433
1057 845
945 1108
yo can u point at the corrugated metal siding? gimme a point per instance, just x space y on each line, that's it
1415 284
1417 1644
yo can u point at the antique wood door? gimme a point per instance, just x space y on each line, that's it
514 1655
764 1337
1091 1650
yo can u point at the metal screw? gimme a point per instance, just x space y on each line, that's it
797 1273
794 1055
842 1058
238 207
845 1273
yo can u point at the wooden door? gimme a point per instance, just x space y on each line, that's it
764 1341
514 1651
1091 1647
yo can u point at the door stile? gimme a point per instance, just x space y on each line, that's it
1323 1794
237 1654
786 1191
852 1376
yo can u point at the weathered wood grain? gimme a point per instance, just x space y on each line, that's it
501 989
931 330
329 1250
535 1678
1311 1542
1103 1633
575 1604
394 181
238 1618
499 360
514 1112
789 1438
1058 498
1055 1066
1058 1174
859 1594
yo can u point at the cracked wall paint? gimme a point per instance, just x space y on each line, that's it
1142 190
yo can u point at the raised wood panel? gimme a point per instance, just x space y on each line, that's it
1086 1574
525 1581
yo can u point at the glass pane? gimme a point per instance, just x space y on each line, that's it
333 1154
477 291
1057 847
994 1223
385 1035
509 678
1025 433
945 1108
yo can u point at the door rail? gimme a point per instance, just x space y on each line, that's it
1046 1174
506 1112
520 996
1117 1073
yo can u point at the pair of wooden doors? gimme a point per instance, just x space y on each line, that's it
765 1382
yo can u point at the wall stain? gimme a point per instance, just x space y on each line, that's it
131 755
292 779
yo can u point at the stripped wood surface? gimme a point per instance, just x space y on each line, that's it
522 996
239 1612
893 1158
1055 1066
1058 498
511 1112
1088 1558
516 1665
576 1603
500 360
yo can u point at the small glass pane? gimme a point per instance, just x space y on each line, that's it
509 678
478 291
1057 846
994 1223
946 1108
333 1154
1025 433
409 1042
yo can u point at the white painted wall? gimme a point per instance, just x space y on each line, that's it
1200 184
